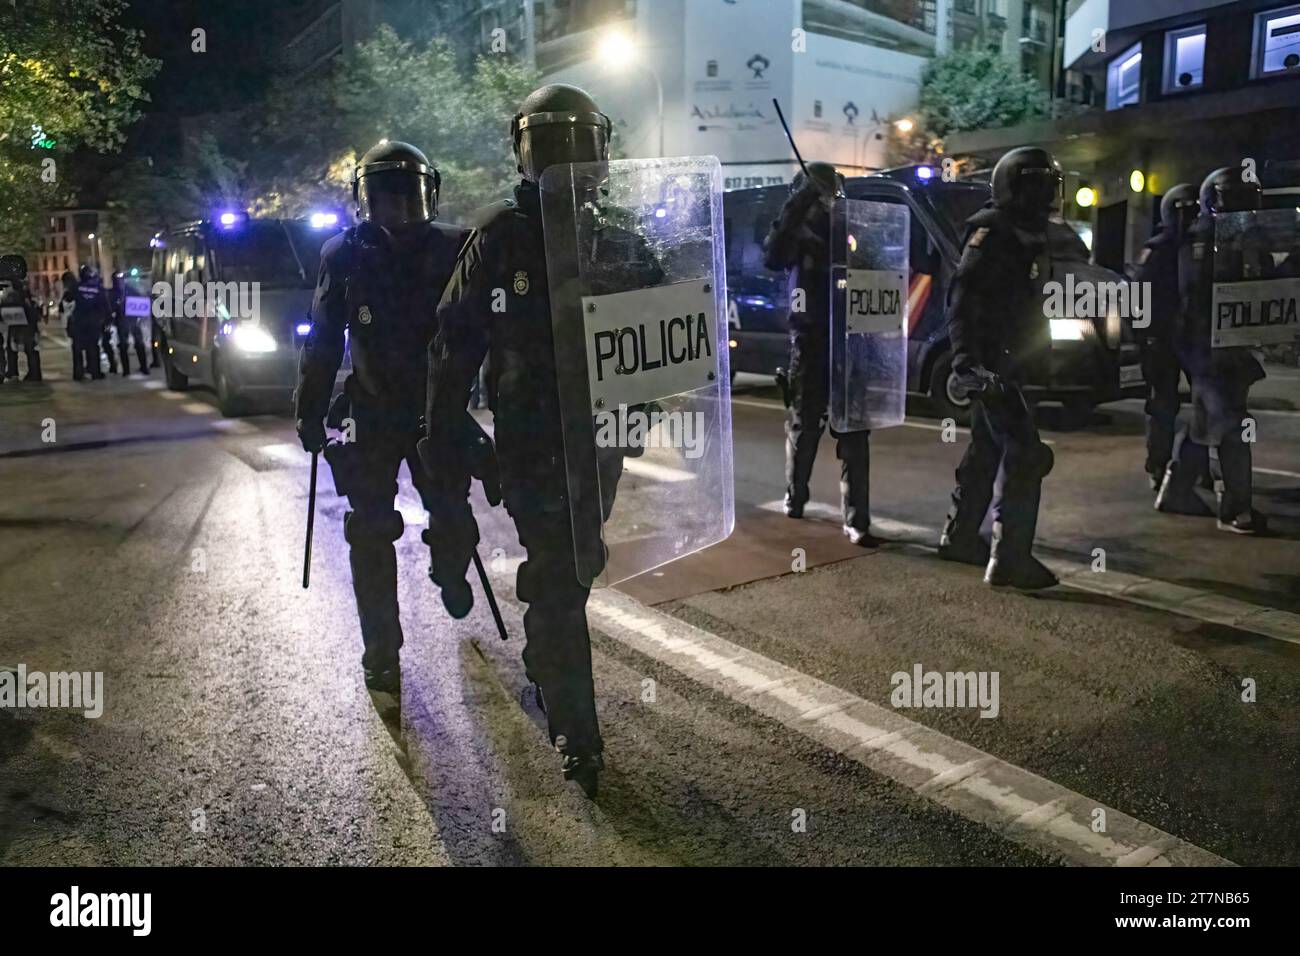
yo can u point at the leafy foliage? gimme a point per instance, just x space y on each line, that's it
976 89
308 138
73 72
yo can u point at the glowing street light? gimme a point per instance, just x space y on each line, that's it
1086 197
905 126
617 51
1137 181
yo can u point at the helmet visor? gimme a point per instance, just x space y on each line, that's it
557 139
395 197
1041 188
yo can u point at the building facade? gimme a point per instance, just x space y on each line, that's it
74 237
1173 90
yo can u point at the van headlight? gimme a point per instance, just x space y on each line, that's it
1068 330
252 338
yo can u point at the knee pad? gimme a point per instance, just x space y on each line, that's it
372 528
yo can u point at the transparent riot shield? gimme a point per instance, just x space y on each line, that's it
1256 278
634 258
869 309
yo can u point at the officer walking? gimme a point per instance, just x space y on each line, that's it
799 241
127 327
995 323
1220 377
557 124
1157 264
379 282
89 315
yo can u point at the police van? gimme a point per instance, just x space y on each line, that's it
231 301
1089 361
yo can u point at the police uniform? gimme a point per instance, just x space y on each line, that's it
89 314
383 295
799 242
996 323
1221 379
1161 369
497 305
23 338
128 328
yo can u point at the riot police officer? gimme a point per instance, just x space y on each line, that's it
127 327
89 315
556 124
799 242
996 326
379 282
1157 264
1220 377
23 333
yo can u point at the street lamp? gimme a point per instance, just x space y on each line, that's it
617 50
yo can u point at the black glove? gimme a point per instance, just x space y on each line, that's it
977 382
452 537
311 432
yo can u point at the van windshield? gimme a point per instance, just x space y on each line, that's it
270 251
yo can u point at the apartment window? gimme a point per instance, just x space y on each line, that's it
1124 78
1184 59
1277 42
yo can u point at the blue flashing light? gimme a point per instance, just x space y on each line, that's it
323 220
925 173
302 328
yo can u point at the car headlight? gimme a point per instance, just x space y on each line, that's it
252 338
1069 330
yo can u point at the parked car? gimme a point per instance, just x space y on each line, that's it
1092 365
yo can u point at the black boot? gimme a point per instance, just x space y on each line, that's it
960 542
854 451
582 768
1177 494
1011 561
123 354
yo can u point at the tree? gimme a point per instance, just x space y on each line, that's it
71 75
974 89
302 154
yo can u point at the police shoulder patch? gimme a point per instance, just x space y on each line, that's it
977 237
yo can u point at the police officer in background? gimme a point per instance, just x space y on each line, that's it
799 241
1220 377
995 324
1158 264
379 281
90 313
127 327
556 124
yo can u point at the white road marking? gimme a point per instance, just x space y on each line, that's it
1022 806
1276 471
1195 603
153 384
174 396
198 408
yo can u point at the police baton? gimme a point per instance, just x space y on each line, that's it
790 136
491 598
311 522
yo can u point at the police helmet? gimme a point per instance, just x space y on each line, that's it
558 124
1224 190
1178 208
395 185
1028 180
824 176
